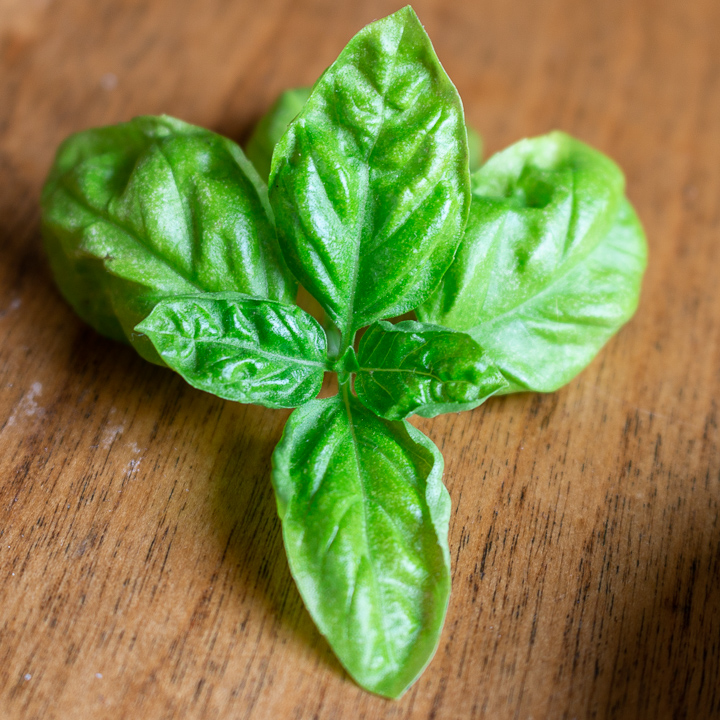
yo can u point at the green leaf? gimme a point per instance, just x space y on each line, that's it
370 183
413 367
365 521
272 126
346 365
155 208
475 149
550 265
240 348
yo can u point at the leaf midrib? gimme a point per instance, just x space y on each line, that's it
106 217
349 326
406 372
257 351
378 593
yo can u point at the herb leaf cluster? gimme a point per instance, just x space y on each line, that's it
166 236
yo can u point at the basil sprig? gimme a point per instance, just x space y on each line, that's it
272 127
413 367
164 235
370 184
240 348
550 264
365 522
155 208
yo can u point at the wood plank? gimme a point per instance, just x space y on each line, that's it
141 562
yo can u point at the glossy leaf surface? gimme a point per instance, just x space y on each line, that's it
550 265
413 367
155 208
240 348
365 521
272 126
370 183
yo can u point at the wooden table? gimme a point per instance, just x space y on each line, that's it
142 573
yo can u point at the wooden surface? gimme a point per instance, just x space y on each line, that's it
142 573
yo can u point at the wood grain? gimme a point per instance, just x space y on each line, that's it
142 573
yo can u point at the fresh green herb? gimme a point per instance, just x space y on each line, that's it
240 348
475 149
365 521
155 208
412 367
369 185
550 263
272 127
164 235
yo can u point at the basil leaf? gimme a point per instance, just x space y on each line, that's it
475 149
550 265
240 348
155 208
365 522
272 126
413 367
369 185
547 342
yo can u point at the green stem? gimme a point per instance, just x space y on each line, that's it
334 338
346 341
